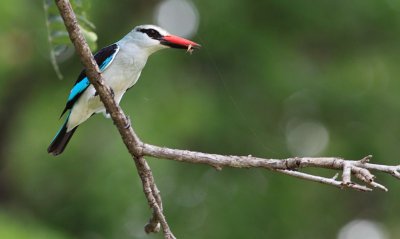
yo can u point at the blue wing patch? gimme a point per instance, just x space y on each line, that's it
103 58
78 88
107 62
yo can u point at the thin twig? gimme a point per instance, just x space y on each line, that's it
154 223
323 180
152 198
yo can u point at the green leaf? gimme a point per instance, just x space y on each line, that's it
60 44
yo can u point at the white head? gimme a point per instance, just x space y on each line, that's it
153 38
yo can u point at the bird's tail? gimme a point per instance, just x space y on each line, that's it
61 139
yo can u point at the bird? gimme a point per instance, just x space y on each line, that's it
121 64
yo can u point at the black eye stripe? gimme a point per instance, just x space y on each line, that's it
151 33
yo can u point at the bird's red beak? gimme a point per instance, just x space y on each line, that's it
178 42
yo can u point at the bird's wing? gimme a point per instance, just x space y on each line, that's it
104 58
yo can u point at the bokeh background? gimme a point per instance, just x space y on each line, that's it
275 78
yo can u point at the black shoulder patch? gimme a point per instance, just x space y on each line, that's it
102 55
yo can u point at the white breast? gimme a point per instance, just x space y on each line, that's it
122 74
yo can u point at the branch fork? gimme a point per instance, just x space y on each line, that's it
359 169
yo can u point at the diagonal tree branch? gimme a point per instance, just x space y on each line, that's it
129 137
361 169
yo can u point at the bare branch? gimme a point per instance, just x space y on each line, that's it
323 180
361 169
153 199
346 176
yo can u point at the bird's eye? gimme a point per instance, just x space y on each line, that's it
153 34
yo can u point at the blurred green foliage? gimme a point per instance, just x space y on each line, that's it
263 64
60 44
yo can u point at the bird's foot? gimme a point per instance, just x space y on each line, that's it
112 92
128 123
106 114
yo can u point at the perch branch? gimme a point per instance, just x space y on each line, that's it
361 169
